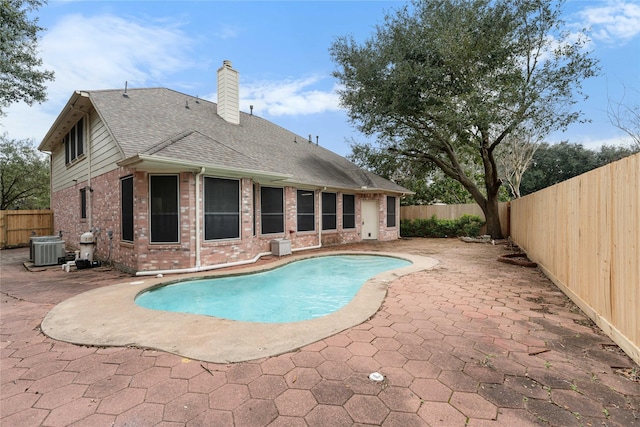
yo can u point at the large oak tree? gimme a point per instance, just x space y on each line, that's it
22 77
445 81
24 175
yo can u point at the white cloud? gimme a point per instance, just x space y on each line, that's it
287 97
99 52
111 50
226 32
615 21
594 143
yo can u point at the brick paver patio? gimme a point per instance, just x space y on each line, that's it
472 342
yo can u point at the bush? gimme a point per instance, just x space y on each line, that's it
466 225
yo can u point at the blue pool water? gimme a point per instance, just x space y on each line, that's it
297 291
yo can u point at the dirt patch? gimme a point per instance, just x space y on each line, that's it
520 259
632 374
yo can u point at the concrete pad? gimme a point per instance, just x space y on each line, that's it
109 316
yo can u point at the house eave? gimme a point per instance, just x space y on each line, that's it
158 164
78 104
347 189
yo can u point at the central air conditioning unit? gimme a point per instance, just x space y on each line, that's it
280 247
40 239
48 252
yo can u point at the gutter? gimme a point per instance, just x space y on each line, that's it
155 163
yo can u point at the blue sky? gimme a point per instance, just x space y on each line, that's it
281 49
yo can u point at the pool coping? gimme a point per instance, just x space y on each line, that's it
108 316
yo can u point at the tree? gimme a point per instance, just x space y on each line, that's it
613 153
514 156
444 81
555 163
428 183
626 117
21 75
24 175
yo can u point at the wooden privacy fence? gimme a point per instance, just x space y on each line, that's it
17 227
585 235
453 212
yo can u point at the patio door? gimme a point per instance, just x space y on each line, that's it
370 219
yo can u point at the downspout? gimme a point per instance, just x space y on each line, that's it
90 194
198 211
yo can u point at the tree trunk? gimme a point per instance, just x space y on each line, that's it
492 216
492 185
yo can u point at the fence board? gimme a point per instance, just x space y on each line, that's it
17 227
585 235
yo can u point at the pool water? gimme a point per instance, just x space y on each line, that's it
301 290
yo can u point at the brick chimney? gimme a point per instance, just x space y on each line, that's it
228 93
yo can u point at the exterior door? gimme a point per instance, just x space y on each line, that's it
370 219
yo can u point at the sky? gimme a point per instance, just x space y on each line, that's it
281 50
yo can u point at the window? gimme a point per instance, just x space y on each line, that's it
328 211
126 208
221 208
348 211
74 142
83 203
306 211
164 208
391 211
272 206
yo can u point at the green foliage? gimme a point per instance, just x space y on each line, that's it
554 163
444 82
22 77
24 175
428 183
466 225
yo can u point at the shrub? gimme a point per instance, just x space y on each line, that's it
466 225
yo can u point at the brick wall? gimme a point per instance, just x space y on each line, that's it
104 216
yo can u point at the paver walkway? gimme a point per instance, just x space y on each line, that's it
472 342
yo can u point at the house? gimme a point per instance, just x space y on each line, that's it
167 182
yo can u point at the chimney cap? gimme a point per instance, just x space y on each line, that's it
226 63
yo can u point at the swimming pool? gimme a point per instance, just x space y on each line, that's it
297 291
122 322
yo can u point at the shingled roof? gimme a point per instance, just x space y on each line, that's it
159 123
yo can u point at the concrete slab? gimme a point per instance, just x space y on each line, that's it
109 316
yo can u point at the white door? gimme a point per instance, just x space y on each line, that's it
370 219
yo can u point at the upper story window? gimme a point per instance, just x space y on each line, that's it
74 143
329 215
391 211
